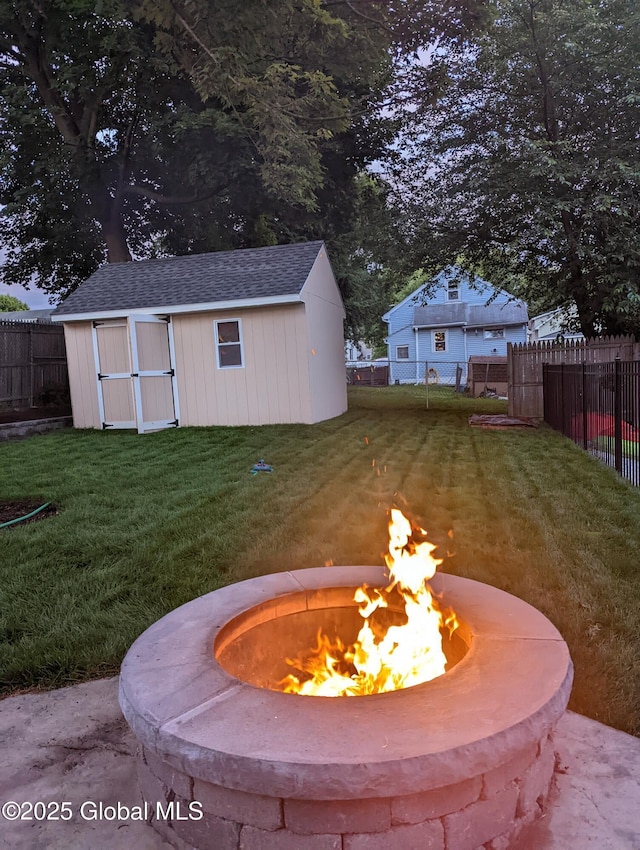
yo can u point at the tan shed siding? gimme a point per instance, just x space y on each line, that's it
82 375
273 385
325 322
193 350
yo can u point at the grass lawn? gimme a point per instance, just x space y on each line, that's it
148 522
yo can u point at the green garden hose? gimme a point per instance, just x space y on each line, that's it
26 516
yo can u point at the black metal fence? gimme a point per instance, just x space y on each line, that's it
597 405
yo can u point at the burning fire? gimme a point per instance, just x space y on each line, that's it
384 659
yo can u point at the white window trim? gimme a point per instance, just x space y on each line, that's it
217 322
435 331
451 289
398 356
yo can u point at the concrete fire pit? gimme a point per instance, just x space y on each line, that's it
459 763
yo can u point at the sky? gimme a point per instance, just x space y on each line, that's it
35 298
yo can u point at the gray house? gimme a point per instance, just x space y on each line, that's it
244 337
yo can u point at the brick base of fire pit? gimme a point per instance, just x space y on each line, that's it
459 763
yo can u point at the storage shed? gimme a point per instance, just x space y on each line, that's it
488 375
245 337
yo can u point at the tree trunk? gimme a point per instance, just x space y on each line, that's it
116 240
578 286
107 210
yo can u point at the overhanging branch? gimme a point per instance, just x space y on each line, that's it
172 200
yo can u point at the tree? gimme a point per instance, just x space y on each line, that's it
532 158
154 128
10 304
106 144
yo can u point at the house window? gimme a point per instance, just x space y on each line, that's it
494 333
439 340
453 292
402 352
229 344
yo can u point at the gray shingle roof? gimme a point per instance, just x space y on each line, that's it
470 315
43 315
454 313
249 273
484 315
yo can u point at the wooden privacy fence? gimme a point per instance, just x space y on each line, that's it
33 363
366 375
525 361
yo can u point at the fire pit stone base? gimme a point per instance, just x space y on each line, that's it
486 811
464 762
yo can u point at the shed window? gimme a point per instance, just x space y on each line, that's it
494 333
402 352
439 340
229 344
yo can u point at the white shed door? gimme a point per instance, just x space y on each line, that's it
112 357
136 373
153 373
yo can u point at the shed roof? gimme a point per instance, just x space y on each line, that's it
250 274
488 358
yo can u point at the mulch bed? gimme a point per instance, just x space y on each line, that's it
26 414
20 507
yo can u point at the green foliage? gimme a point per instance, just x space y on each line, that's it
529 165
138 129
108 149
9 304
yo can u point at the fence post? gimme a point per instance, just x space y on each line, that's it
458 377
617 401
562 404
510 392
426 380
585 432
32 367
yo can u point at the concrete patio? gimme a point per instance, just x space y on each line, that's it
72 745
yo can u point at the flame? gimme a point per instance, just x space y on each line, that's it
388 659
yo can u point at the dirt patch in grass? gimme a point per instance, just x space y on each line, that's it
16 508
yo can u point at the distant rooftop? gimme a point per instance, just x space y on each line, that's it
27 315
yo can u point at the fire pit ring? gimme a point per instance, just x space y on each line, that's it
459 763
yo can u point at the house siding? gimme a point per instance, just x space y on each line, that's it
478 345
324 313
273 385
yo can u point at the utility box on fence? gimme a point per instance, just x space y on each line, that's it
487 376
